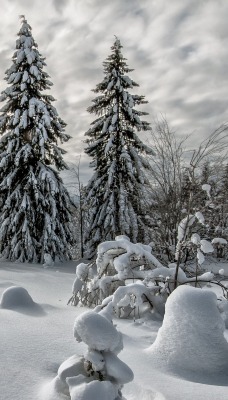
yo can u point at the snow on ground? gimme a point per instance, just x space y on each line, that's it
34 345
35 341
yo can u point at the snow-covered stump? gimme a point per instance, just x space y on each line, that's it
191 340
99 374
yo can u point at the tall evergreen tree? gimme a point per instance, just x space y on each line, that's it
118 190
34 214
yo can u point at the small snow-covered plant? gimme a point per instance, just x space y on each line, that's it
200 193
190 241
147 297
130 277
122 266
215 144
137 299
99 374
187 240
84 274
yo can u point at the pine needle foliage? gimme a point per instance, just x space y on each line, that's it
118 190
35 207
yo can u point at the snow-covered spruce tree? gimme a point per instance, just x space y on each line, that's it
118 191
35 206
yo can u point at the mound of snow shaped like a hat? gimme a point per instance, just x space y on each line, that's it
15 297
97 332
95 390
191 336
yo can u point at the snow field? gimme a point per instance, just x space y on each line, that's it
34 345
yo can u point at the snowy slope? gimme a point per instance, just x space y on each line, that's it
34 341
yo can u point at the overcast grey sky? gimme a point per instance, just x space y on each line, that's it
178 48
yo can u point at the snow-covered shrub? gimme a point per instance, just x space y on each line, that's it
132 279
135 299
189 241
191 338
119 263
99 374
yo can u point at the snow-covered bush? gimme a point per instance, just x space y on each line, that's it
132 279
119 263
99 374
189 241
182 185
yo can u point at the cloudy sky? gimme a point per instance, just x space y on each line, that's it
178 49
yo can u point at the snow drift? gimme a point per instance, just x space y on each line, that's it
191 340
16 297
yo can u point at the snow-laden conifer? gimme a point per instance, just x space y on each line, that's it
34 215
118 190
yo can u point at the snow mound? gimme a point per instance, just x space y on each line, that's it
54 390
191 340
15 297
97 332
95 390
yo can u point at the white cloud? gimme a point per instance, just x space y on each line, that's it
179 50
